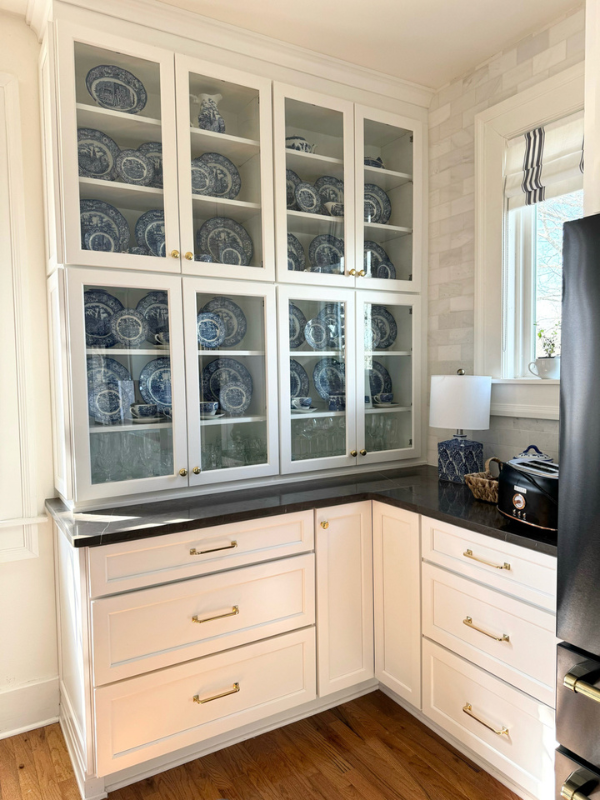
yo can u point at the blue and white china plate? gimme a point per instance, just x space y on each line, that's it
329 377
203 177
220 373
379 379
374 255
129 327
150 232
97 154
234 398
110 389
297 325
155 308
233 317
232 253
98 308
372 336
325 269
155 382
307 198
326 251
378 207
291 181
211 329
227 181
96 216
332 315
317 334
136 250
386 325
134 167
295 254
153 152
100 241
330 189
298 379
219 231
116 88
370 161
386 271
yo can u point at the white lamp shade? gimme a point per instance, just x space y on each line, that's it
460 401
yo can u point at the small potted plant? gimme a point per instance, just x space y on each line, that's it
548 366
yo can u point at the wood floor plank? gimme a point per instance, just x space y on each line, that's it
58 753
9 771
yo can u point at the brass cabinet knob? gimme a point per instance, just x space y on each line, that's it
353 453
352 272
189 256
196 470
325 524
183 472
362 273
363 452
174 253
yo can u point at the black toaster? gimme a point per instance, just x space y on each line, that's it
528 492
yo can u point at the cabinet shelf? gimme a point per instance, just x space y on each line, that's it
218 353
303 222
387 179
318 414
379 353
236 148
231 420
241 210
122 195
317 353
134 426
310 166
119 125
384 233
127 351
394 410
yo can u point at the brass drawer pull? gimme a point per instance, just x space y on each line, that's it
468 621
194 552
325 524
234 611
469 554
236 688
578 784
574 680
468 709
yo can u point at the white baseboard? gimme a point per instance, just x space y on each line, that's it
29 706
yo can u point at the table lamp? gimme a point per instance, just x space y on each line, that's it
463 402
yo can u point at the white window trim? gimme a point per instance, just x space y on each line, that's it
556 97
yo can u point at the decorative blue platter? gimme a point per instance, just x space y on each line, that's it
295 254
234 398
378 207
329 377
227 182
100 242
330 189
203 177
307 198
97 154
292 180
386 325
219 231
110 390
150 232
326 251
317 334
233 317
155 308
374 254
374 162
155 382
333 317
153 151
297 325
232 253
379 379
298 379
96 217
98 308
134 167
222 372
116 88
211 329
386 271
129 327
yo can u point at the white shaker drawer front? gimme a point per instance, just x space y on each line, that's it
519 571
510 638
154 714
141 631
160 559
510 730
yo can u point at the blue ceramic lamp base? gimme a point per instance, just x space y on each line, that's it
458 457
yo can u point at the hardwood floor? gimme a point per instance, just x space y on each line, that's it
368 749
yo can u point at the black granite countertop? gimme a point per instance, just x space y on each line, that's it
414 489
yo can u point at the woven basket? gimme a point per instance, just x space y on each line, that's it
483 484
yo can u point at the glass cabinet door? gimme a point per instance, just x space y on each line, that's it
225 171
314 187
317 389
119 152
388 200
388 375
231 366
128 377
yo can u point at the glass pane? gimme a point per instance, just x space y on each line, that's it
388 377
232 375
119 144
128 383
225 167
388 202
317 379
315 188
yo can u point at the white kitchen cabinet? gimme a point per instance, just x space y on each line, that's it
397 601
343 545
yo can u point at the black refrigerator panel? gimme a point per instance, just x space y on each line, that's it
578 703
574 775
579 489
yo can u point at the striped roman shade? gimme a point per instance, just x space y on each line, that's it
545 162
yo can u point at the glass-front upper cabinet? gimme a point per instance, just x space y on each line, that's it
225 171
231 372
388 200
317 380
388 366
118 152
128 396
314 187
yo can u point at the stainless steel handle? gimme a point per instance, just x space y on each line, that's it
234 612
194 552
578 784
469 554
469 623
236 688
574 680
468 709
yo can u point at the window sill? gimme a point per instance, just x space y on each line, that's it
532 398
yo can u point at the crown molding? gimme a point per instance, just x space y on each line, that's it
37 16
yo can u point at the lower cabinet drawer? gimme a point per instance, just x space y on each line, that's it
159 713
511 731
575 775
153 628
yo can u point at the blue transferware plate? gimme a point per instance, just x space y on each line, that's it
116 88
129 327
203 257
307 198
297 325
374 255
378 207
374 162
317 334
97 154
372 335
330 189
98 308
330 269
219 231
220 373
110 389
326 251
134 167
386 324
329 377
379 379
232 253
295 254
150 232
227 181
101 241
234 398
298 379
96 216
211 329
139 251
153 152
292 180
203 177
155 382
233 317
386 271
333 317
155 308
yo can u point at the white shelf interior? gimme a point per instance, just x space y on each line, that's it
387 179
117 124
126 195
378 353
134 426
303 222
218 206
127 351
310 166
231 420
387 410
301 414
218 353
236 148
377 232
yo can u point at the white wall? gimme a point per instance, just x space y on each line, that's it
28 662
